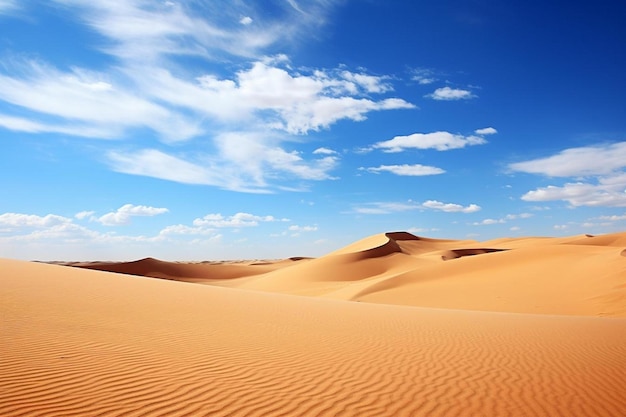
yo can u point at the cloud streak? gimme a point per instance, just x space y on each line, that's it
249 119
451 94
415 170
601 167
397 207
440 141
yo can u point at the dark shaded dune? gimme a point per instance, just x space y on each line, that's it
459 253
193 272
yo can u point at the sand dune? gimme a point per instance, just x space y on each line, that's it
188 272
572 276
578 275
80 342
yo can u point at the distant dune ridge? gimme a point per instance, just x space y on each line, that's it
508 327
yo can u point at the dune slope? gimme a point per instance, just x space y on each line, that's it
78 342
573 276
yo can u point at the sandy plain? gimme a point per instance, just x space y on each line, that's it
392 325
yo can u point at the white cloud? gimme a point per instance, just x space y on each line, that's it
88 107
369 83
609 191
578 162
123 214
147 90
604 164
139 30
504 219
450 207
441 141
488 222
10 221
157 164
84 214
396 207
235 221
449 94
424 76
296 228
324 151
246 20
385 207
486 131
8 6
613 218
406 170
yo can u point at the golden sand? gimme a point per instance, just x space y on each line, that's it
510 327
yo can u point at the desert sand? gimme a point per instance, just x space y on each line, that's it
393 325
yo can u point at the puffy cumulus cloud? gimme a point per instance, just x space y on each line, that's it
123 214
365 82
237 220
12 221
406 170
603 165
264 94
148 90
441 141
608 191
486 131
450 207
450 94
577 162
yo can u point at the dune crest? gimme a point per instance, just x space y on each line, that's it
575 275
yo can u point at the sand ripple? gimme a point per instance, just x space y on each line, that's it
88 343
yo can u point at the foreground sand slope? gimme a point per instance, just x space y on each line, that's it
77 342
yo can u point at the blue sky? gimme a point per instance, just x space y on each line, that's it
192 130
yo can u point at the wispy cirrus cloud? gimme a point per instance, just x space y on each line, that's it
8 6
424 76
414 170
599 170
397 207
143 30
577 162
260 101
